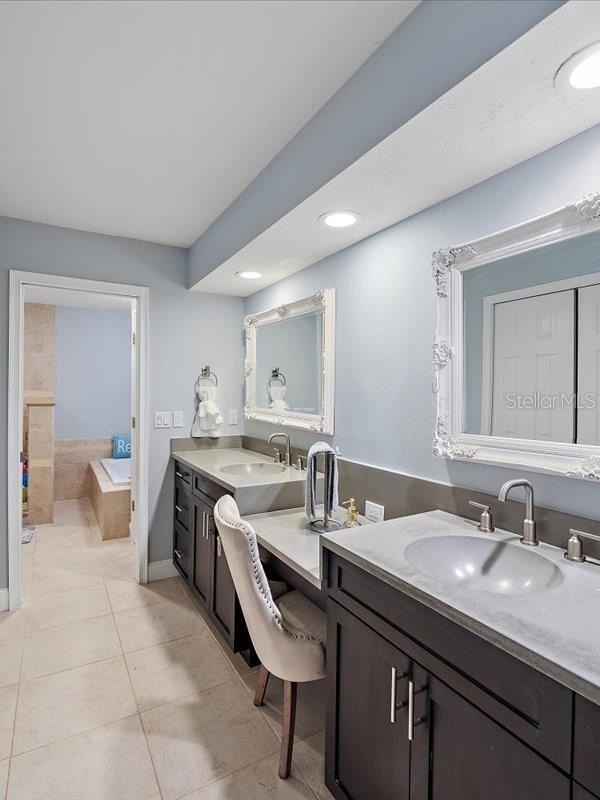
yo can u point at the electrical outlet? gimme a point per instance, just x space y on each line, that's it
233 416
178 419
374 511
162 419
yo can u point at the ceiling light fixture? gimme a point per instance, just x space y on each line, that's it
339 219
248 274
581 70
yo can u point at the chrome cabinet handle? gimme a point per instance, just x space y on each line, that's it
218 546
394 706
178 509
412 722
179 474
179 554
204 525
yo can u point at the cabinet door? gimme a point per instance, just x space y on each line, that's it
367 751
461 754
182 550
223 596
183 506
586 766
202 551
579 793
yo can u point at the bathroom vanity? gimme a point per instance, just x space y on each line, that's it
201 477
456 686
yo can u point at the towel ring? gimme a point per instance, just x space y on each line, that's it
276 376
208 375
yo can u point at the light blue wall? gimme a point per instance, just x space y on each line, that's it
92 373
438 45
385 408
576 257
187 330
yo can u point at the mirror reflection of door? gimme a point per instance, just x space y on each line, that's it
534 368
588 416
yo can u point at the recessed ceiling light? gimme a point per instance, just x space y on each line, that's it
581 70
248 274
339 219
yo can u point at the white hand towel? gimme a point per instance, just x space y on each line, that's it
331 491
208 417
278 400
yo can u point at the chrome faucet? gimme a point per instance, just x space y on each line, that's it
529 531
288 456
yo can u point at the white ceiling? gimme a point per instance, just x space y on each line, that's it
73 298
147 119
502 114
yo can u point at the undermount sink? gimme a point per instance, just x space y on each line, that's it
484 565
254 468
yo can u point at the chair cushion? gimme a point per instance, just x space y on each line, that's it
302 616
278 588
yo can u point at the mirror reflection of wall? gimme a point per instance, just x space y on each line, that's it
293 346
532 344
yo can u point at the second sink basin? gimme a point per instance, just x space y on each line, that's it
254 468
483 565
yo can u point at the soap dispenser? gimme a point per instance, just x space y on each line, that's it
351 520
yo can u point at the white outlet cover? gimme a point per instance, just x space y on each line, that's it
178 419
374 511
233 416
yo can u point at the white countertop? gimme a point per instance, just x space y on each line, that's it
556 630
211 462
284 533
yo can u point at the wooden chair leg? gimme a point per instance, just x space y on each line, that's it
261 686
290 691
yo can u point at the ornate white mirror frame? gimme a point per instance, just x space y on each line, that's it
322 302
572 460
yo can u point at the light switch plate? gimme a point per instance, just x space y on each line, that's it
178 419
374 511
162 419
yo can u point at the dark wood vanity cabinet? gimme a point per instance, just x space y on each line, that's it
200 558
421 709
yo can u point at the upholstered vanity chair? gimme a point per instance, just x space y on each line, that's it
289 637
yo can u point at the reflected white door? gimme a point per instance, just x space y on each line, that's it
588 418
534 369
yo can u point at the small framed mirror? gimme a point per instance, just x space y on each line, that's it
516 353
290 363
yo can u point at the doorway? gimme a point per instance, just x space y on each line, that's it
75 293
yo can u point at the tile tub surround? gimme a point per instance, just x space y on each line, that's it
253 494
111 504
96 722
554 631
72 473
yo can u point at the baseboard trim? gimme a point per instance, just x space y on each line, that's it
159 570
3 599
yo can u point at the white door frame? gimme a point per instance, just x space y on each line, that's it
19 280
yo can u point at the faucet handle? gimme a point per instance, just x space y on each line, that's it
277 455
575 545
486 522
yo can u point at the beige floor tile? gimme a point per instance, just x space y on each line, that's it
71 645
8 703
46 579
128 593
72 702
53 536
171 671
148 625
58 608
203 738
257 782
12 633
310 709
3 778
108 763
309 757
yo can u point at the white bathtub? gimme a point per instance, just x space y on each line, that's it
118 470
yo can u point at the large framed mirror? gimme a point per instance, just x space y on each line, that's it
290 363
516 353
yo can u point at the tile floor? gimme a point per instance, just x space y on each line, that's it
114 691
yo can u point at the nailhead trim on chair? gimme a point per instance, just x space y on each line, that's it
251 539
